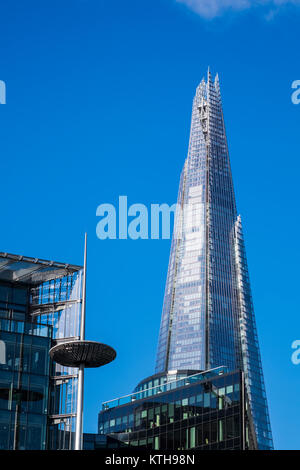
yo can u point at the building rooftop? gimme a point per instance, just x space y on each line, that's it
32 271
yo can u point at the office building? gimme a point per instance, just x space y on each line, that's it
40 305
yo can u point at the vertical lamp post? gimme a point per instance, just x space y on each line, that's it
81 353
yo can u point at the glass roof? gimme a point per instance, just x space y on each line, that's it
17 268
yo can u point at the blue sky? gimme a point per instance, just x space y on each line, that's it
99 99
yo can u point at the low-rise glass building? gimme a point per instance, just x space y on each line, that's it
179 411
40 306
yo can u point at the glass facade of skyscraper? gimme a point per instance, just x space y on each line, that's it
208 318
40 305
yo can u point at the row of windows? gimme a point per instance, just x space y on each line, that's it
22 431
14 295
216 431
25 353
154 414
155 419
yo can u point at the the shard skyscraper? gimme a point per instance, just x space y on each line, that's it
207 392
208 318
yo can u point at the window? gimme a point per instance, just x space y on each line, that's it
206 437
192 437
221 430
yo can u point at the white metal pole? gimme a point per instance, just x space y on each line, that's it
79 411
79 415
82 322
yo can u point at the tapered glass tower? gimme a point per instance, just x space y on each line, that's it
208 319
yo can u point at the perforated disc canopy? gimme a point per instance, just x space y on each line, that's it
88 353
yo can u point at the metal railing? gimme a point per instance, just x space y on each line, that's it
164 387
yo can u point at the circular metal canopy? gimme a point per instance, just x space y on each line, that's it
88 353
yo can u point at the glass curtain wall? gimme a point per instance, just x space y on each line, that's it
207 414
24 373
207 318
57 302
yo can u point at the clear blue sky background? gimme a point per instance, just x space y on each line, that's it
99 97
